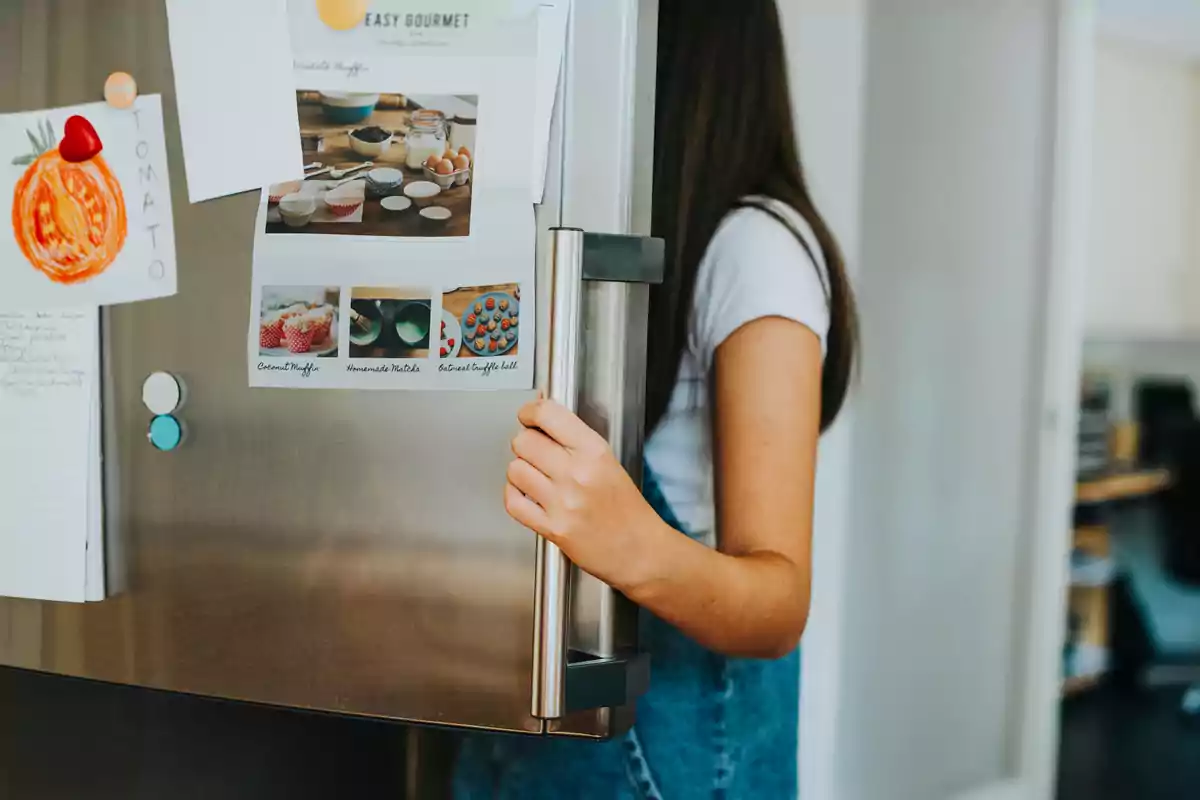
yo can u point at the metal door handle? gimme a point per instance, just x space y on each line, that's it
575 257
551 583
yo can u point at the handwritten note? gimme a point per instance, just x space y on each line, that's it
49 441
39 351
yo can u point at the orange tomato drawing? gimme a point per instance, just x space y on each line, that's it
69 218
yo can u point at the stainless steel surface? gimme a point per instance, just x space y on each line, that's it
343 551
551 604
610 194
617 270
328 550
611 402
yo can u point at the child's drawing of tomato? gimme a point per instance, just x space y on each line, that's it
69 216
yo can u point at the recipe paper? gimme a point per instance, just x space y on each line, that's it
367 29
233 85
49 426
553 16
85 206
401 261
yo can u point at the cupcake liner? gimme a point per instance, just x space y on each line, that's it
321 329
269 333
300 341
340 208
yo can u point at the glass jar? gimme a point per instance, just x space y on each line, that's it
426 137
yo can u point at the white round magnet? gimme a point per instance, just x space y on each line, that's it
162 393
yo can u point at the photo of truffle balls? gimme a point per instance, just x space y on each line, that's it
298 322
490 319
393 322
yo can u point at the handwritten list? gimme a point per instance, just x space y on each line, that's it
40 351
49 440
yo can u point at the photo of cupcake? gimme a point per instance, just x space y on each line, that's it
322 321
298 322
270 331
300 332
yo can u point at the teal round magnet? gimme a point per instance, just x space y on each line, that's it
166 432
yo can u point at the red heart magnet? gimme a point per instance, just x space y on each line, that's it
80 141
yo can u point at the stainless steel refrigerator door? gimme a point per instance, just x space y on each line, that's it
341 551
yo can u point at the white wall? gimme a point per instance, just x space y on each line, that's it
959 128
1143 278
1144 272
926 132
825 43
1171 27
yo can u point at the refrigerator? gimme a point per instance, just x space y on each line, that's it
341 551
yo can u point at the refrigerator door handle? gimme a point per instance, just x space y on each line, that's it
551 582
575 256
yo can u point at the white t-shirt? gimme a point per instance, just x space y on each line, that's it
753 268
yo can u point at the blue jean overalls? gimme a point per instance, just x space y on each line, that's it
709 728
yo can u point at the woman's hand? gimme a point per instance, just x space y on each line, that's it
566 485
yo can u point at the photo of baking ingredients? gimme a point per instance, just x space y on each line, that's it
487 320
390 322
298 322
380 165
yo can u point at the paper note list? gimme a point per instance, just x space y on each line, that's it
41 351
49 380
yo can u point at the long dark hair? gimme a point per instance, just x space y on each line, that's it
724 132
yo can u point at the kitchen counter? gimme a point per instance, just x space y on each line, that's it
1121 485
334 151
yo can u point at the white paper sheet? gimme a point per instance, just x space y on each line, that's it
403 273
95 232
95 577
233 85
48 412
553 16
383 28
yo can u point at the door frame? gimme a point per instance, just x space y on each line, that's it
1044 583
1171 31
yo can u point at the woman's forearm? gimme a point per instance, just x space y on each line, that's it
566 485
753 605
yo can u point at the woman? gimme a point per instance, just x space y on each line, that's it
752 346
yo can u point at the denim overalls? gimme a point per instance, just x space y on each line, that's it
709 728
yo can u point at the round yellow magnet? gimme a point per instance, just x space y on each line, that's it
120 90
342 15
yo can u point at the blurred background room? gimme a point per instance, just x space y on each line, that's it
1132 656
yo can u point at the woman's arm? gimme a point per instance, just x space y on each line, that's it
750 598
